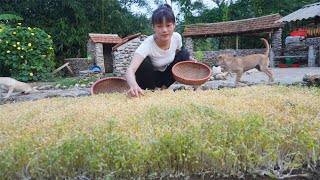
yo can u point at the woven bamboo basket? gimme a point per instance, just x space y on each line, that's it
109 85
191 72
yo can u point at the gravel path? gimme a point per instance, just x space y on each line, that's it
281 75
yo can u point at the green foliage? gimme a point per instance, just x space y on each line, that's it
199 55
9 18
27 53
70 21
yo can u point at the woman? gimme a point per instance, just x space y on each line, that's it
153 60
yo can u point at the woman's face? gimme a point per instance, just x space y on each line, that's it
164 30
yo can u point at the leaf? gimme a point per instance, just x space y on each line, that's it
8 17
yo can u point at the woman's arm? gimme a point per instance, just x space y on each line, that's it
135 89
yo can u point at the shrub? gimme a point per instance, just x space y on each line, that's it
199 55
26 53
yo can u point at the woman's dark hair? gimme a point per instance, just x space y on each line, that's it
163 12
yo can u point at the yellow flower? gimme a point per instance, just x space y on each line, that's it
14 32
29 28
31 74
32 34
1 30
14 45
19 24
22 48
7 42
18 43
0 40
31 49
49 36
8 51
21 57
29 44
19 48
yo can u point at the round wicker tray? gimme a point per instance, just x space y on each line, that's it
109 85
191 72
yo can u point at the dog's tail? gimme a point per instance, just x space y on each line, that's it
267 46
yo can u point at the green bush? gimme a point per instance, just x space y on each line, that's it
26 53
199 55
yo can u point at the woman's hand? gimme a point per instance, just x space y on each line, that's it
134 91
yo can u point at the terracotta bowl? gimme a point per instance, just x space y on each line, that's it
109 85
191 72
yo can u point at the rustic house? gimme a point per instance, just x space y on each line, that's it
99 47
310 16
123 52
259 25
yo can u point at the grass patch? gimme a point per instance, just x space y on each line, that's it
230 132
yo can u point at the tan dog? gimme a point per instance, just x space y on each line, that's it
10 85
239 65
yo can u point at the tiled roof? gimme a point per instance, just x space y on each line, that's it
105 38
244 26
126 39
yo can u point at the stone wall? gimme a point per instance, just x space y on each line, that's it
315 44
313 41
276 39
308 47
123 54
210 57
90 49
99 58
189 44
78 64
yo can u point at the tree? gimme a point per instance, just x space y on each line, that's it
70 21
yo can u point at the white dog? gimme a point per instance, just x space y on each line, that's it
221 76
10 85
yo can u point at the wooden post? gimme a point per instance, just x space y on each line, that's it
237 41
61 67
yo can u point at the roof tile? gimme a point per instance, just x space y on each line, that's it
105 38
233 27
126 39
